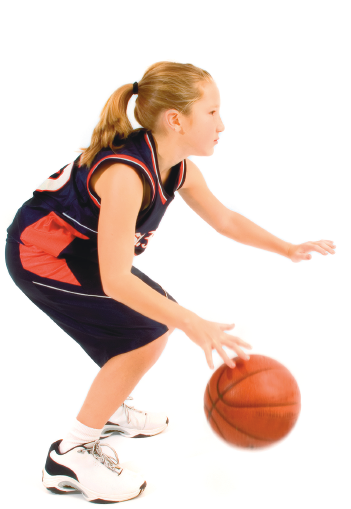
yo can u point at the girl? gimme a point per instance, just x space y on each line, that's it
70 249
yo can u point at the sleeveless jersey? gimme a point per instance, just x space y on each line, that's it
61 219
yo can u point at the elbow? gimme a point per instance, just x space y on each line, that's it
227 227
111 290
222 228
113 287
107 291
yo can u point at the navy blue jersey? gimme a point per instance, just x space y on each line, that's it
61 219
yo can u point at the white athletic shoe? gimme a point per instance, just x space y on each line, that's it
133 423
86 469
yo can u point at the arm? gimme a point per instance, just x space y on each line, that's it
121 191
198 196
237 227
243 230
230 224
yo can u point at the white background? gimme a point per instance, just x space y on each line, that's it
283 161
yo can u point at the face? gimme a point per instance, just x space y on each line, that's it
202 128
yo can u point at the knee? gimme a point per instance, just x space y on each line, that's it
156 347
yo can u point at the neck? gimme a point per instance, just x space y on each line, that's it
169 152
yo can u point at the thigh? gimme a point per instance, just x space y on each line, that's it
102 326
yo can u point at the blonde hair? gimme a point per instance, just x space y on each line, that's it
164 86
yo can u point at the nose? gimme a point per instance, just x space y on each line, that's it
222 127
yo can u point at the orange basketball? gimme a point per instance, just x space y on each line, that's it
253 405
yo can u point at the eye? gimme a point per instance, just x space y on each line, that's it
212 112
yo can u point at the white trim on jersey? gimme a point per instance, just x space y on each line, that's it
156 168
183 169
64 213
67 291
164 290
130 161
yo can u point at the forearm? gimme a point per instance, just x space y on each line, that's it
134 293
242 230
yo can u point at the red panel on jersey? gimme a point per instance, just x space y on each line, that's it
46 265
43 242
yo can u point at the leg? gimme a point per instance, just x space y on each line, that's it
116 380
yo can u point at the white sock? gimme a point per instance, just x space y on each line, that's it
78 435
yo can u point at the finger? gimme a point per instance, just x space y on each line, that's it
230 363
319 249
237 340
328 248
208 354
239 351
224 326
233 345
240 342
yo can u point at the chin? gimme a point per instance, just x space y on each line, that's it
208 152
203 152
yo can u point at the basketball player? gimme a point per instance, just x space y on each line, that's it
70 249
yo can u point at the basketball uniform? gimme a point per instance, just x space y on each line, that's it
51 251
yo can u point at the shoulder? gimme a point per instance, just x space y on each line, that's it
111 174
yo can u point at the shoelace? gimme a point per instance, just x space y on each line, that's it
127 408
108 461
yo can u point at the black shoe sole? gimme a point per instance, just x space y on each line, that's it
97 500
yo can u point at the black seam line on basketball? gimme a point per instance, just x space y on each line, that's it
213 404
219 431
259 406
213 420
209 395
244 433
238 429
262 406
235 383
232 385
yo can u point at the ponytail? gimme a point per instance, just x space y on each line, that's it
164 86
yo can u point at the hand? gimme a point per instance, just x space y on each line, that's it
210 336
298 252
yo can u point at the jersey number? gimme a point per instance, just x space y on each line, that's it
139 236
57 180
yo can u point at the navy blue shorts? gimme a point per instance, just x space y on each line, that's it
102 326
